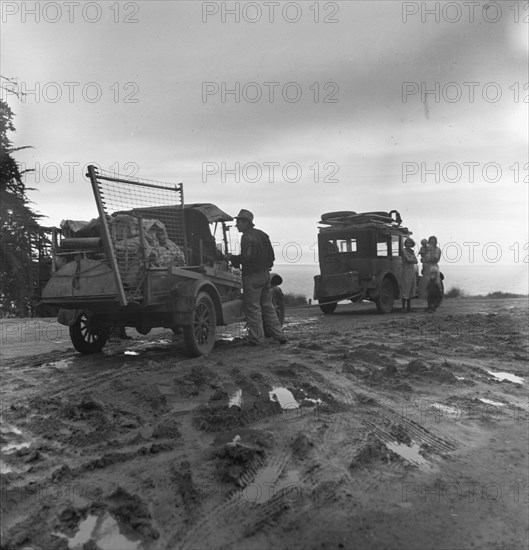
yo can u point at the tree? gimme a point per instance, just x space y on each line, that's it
18 227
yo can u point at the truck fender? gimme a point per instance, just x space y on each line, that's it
191 289
392 278
68 317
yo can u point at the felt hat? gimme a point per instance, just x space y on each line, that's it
245 215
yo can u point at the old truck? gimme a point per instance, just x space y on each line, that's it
360 258
148 260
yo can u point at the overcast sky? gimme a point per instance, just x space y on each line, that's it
338 109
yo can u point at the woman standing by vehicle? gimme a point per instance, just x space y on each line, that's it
430 259
409 279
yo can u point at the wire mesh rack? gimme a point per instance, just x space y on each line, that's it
143 225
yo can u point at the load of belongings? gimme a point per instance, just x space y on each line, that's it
132 250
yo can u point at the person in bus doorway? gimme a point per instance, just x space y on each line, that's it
256 259
409 278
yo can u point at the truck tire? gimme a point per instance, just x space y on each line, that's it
86 337
386 296
328 307
199 336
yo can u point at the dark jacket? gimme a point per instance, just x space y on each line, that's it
256 255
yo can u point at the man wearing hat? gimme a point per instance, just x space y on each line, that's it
256 259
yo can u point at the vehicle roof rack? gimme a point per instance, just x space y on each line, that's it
365 220
369 225
392 218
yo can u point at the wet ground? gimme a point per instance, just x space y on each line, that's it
365 431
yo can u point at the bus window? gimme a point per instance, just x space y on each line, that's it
395 245
382 245
343 245
340 246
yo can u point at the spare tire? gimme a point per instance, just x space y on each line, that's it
377 215
339 214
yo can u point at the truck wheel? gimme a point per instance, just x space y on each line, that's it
86 337
199 336
386 297
328 308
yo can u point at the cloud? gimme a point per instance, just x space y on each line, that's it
164 60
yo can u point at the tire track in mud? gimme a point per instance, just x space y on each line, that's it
251 471
338 446
241 515
337 385
435 442
74 482
320 489
71 387
336 443
32 361
324 385
384 410
69 382
271 471
328 485
388 439
89 380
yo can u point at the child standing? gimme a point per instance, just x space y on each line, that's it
435 289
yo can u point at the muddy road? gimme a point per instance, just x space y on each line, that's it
403 431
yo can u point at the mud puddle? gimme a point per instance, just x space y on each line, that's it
8 428
300 322
13 440
235 399
61 364
15 446
105 532
5 469
410 453
300 328
284 397
491 402
231 333
507 376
